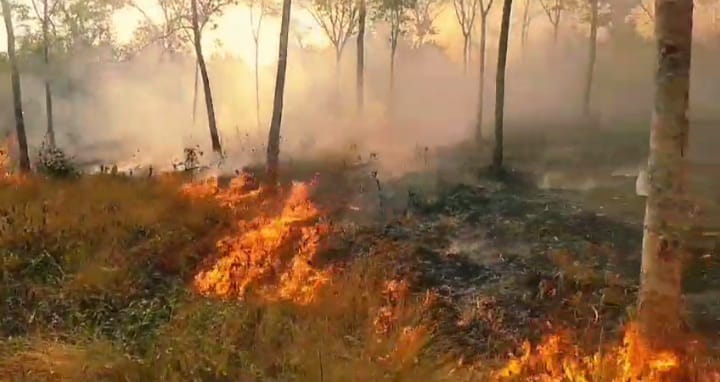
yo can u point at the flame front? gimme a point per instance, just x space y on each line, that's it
558 358
273 255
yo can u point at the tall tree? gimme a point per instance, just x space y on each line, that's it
44 18
424 13
500 85
466 12
485 6
553 10
527 18
395 13
197 42
179 27
661 272
46 58
360 69
16 91
258 10
338 19
592 52
273 147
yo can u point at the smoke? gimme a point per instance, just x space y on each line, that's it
140 111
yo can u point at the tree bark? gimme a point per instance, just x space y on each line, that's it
360 70
273 147
17 93
591 58
497 163
481 94
215 138
48 93
659 302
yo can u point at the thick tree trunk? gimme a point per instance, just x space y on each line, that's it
481 94
591 58
48 94
360 70
17 93
497 163
661 274
215 138
273 147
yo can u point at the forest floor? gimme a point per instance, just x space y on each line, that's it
445 273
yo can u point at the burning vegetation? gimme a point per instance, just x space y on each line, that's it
273 256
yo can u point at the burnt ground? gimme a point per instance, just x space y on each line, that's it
512 261
515 258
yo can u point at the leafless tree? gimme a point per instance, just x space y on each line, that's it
466 12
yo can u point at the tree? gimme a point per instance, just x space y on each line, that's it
527 18
659 300
273 147
553 9
424 13
338 19
466 12
258 10
500 86
484 11
592 49
180 27
197 42
395 12
45 22
16 91
360 69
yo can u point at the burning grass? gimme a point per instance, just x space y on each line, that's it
559 357
108 278
272 255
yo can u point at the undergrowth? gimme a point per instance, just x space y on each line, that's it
94 276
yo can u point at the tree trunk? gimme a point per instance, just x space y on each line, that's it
591 59
17 94
48 94
392 70
273 147
257 83
481 94
215 138
466 49
661 273
500 85
360 70
338 60
195 91
525 25
556 30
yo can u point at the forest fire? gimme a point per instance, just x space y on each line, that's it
272 254
559 358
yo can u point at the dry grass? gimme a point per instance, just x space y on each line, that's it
96 285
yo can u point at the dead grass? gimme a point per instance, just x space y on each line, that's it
94 285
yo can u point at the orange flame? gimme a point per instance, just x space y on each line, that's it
274 255
558 358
